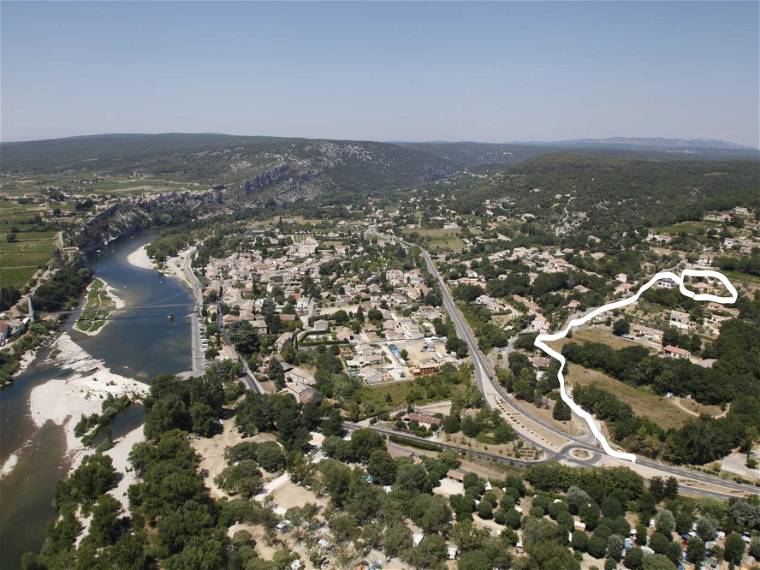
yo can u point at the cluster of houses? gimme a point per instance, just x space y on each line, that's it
400 346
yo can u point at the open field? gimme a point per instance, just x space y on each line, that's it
698 409
393 395
581 336
644 403
439 239
90 184
688 228
18 217
21 259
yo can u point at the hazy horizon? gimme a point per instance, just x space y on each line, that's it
388 141
483 72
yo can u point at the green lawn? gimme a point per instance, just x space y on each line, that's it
439 239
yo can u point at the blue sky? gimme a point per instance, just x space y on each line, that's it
383 71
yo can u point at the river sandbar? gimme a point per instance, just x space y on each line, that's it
65 400
139 258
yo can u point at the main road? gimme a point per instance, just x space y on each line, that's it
197 354
554 442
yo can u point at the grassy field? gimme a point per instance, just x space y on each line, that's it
21 259
644 403
688 228
391 396
581 336
110 185
97 308
438 239
18 216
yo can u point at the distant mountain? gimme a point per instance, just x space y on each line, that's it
652 143
288 169
473 154
291 167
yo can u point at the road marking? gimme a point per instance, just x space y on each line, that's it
542 339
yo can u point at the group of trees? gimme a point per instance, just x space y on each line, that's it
194 405
521 379
487 426
63 288
281 415
636 366
698 441
750 264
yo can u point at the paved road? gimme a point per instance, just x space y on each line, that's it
248 378
197 356
488 386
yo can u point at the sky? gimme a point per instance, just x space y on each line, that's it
493 72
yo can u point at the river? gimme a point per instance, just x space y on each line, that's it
138 343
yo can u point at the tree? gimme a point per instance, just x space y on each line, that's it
364 442
561 411
661 544
634 558
94 477
204 420
476 560
621 327
657 488
275 373
398 540
541 530
8 297
576 498
665 522
411 478
597 547
245 338
270 456
707 528
734 550
695 551
579 541
671 488
754 547
243 478
382 467
105 526
513 519
615 545
657 562
435 515
429 552
336 479
485 510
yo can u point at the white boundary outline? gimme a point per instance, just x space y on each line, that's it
542 339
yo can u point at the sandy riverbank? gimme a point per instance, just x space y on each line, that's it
139 258
64 401
175 266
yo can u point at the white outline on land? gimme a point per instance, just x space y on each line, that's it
542 339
